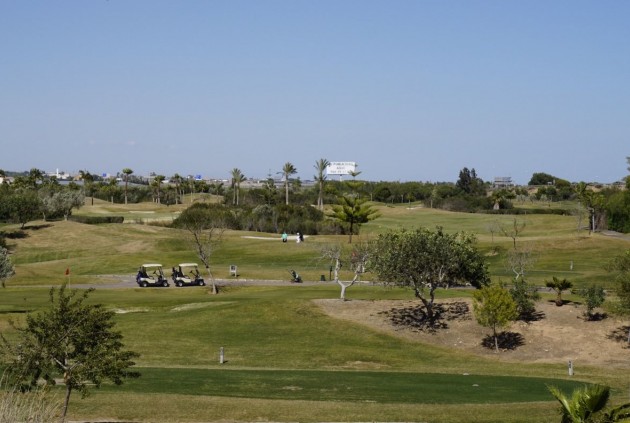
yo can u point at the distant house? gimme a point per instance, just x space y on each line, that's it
502 182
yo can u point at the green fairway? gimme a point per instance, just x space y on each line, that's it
358 386
284 357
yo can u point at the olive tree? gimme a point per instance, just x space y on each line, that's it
6 267
204 225
425 260
357 260
71 341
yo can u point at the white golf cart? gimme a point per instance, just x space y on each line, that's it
151 275
187 274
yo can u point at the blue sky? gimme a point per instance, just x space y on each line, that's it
410 90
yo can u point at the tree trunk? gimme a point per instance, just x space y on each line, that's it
66 401
496 338
215 291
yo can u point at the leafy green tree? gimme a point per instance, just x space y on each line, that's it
559 285
6 267
354 212
620 267
71 340
470 183
320 178
587 405
594 296
525 296
541 178
62 202
426 260
494 308
24 206
127 172
594 202
287 170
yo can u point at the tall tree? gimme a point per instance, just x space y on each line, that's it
177 180
88 183
470 183
204 225
426 260
157 180
320 178
354 212
71 340
287 170
237 178
127 172
494 308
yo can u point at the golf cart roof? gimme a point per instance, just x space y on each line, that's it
188 265
152 265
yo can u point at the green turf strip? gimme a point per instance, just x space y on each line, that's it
380 387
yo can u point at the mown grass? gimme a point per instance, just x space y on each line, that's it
286 360
48 249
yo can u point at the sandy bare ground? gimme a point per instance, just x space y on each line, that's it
561 334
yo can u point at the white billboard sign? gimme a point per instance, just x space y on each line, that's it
341 168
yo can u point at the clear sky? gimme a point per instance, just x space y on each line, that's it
411 90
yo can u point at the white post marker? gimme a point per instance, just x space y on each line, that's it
570 368
221 356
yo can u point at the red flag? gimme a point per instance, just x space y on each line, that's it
67 271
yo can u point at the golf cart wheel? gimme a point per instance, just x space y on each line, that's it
165 284
179 283
144 284
201 283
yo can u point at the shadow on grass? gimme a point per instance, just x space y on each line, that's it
416 318
506 341
621 335
19 234
38 227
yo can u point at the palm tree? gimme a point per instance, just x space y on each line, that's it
287 170
126 171
88 182
158 182
587 404
559 285
237 178
177 180
320 178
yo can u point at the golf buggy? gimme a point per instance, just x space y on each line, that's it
295 278
187 274
151 275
